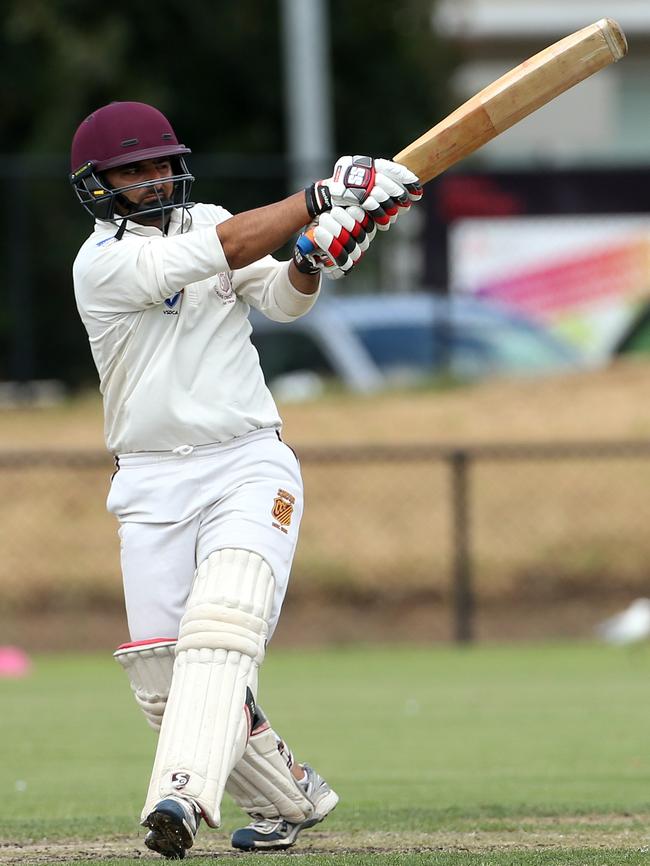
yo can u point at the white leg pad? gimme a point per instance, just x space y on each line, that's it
149 666
262 783
221 644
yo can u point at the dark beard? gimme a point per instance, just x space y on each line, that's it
148 213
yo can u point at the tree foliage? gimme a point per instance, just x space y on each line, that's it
216 70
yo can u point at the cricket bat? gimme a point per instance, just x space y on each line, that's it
514 96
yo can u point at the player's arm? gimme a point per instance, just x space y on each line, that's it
332 243
306 283
379 187
138 272
251 235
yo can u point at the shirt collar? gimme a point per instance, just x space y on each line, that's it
179 219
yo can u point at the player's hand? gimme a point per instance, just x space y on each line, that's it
334 242
381 187
395 189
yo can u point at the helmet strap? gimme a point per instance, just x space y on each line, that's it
120 232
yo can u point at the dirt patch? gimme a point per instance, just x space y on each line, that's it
606 832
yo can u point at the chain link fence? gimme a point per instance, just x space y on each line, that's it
464 535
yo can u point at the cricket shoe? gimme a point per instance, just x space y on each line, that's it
172 827
276 834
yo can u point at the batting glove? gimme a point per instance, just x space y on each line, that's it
334 242
395 189
381 187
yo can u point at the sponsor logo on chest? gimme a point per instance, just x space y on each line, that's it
221 286
171 305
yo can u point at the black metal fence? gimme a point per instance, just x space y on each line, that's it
463 531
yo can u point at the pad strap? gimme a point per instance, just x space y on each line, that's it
262 782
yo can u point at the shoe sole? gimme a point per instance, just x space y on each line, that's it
172 840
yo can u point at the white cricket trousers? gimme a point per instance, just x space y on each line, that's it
176 507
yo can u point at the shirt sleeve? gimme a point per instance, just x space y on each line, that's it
139 272
266 286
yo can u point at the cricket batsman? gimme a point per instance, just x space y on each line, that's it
207 495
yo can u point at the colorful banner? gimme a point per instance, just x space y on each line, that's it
585 277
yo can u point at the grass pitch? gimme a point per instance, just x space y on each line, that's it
498 755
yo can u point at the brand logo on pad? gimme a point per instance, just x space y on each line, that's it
179 780
283 509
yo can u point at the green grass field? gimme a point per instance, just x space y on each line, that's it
518 754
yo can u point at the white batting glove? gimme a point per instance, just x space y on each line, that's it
334 242
395 189
380 187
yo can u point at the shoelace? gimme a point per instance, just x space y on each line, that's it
268 825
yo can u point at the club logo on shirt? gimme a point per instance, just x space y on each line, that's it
283 510
224 289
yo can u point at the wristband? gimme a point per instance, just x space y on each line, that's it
318 199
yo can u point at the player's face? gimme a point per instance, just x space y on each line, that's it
146 171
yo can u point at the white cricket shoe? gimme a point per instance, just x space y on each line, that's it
173 825
276 834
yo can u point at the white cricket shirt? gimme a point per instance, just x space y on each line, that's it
168 327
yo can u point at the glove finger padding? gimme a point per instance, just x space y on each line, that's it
394 191
382 207
333 239
401 175
340 238
363 229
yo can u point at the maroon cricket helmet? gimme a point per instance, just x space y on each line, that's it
119 134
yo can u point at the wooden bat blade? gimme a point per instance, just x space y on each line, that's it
514 96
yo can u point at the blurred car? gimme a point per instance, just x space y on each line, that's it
370 342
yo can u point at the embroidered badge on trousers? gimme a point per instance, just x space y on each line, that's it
282 509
